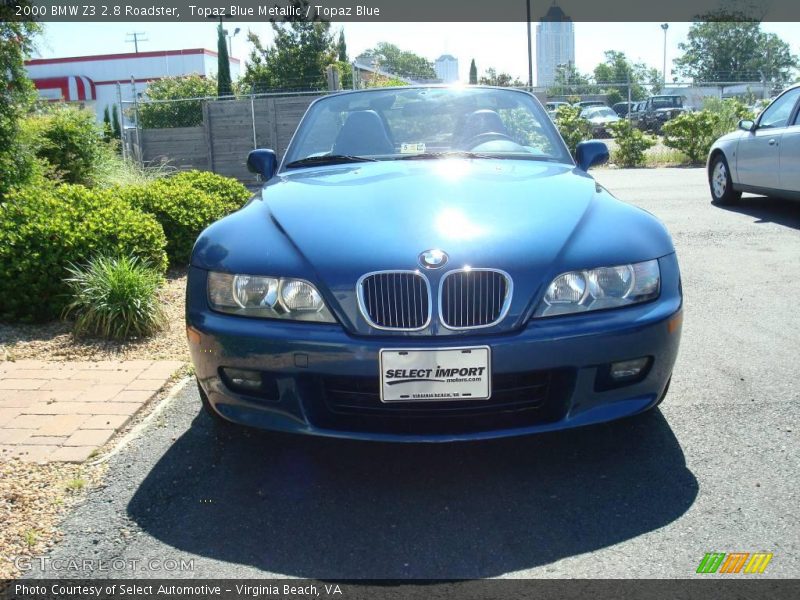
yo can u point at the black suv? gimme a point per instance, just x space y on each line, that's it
658 110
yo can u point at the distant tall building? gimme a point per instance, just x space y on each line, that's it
446 68
555 44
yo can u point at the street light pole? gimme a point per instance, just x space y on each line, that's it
230 40
530 51
664 26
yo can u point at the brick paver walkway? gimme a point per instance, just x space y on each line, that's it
64 411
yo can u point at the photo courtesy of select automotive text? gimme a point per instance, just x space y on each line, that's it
399 300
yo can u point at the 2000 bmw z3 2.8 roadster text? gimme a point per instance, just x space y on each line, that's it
431 264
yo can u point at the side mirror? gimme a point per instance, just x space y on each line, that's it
747 125
589 154
262 161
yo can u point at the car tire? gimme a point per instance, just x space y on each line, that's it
720 183
218 419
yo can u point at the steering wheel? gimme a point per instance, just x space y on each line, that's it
487 136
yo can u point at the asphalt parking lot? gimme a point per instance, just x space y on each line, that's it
716 469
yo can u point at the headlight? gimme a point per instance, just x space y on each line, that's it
267 297
597 289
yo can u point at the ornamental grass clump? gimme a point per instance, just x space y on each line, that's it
115 298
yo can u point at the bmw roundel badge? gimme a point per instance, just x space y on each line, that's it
433 259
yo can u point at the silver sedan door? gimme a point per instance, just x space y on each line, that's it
758 159
790 154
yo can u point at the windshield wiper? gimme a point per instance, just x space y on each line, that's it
327 159
449 154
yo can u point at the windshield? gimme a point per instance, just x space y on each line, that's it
398 123
667 102
591 113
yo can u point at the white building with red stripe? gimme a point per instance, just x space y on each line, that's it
94 80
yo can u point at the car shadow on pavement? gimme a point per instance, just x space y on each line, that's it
323 508
768 210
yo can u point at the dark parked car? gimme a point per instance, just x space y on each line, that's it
658 110
431 264
635 112
623 108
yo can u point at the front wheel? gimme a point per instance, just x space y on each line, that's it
719 180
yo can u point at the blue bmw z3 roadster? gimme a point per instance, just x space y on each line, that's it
431 264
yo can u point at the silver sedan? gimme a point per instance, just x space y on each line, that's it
762 156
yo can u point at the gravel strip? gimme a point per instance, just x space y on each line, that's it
35 497
33 500
54 340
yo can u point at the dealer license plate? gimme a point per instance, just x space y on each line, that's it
417 375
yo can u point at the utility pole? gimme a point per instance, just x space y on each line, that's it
664 26
530 50
135 39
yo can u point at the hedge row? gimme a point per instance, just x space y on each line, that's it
44 230
185 205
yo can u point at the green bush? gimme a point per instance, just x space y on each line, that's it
70 140
730 111
44 230
115 298
224 189
572 127
692 133
183 208
631 144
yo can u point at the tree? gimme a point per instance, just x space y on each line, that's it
399 62
116 124
108 131
473 73
729 47
492 77
17 95
297 59
613 75
224 87
345 74
341 47
569 82
185 110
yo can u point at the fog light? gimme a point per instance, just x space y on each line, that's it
628 369
256 384
622 373
242 378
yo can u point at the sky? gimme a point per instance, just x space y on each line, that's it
503 46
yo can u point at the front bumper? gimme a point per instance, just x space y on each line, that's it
308 366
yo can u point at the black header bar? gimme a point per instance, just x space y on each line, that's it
396 10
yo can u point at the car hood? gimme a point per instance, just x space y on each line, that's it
333 224
382 215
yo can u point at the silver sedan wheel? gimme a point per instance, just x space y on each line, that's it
719 179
